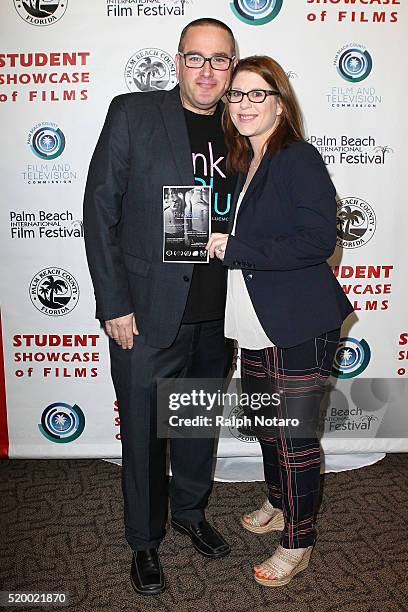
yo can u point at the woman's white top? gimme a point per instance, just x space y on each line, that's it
241 321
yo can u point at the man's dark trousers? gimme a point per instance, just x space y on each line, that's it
199 351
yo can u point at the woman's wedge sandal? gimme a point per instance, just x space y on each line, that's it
264 520
278 576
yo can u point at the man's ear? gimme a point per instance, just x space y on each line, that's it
177 61
232 68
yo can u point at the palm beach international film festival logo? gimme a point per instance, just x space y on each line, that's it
54 292
150 69
356 150
62 423
47 142
351 358
256 12
356 222
146 8
351 407
44 224
41 12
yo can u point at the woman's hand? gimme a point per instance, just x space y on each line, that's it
217 245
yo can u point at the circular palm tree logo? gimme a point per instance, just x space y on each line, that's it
41 12
54 292
256 12
354 64
47 141
356 222
150 70
351 358
61 422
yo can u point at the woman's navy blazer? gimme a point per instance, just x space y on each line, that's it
285 232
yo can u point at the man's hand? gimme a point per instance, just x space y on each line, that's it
217 245
122 330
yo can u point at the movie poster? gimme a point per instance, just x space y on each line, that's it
186 223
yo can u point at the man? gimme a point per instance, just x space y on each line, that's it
164 319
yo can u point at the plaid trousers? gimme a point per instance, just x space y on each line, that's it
291 456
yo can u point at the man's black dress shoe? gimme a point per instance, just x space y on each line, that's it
146 573
205 538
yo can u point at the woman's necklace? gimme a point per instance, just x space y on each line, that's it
253 167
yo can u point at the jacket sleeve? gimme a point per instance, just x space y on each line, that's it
106 185
314 235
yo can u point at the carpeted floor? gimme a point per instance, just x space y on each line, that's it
61 530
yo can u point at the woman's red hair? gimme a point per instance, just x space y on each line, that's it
290 126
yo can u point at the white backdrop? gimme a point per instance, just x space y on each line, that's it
61 62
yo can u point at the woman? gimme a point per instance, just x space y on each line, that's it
284 305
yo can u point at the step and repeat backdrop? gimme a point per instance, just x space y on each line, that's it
61 62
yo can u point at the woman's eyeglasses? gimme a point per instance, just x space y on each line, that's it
255 95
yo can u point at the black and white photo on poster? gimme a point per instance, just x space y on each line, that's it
186 223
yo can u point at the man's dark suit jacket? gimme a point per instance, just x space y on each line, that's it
144 145
285 232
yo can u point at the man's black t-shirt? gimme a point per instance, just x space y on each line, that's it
206 299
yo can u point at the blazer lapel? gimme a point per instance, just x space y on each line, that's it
261 171
173 118
256 179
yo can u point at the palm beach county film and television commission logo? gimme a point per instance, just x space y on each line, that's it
351 358
62 423
41 12
356 222
54 292
150 69
47 142
256 12
353 64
